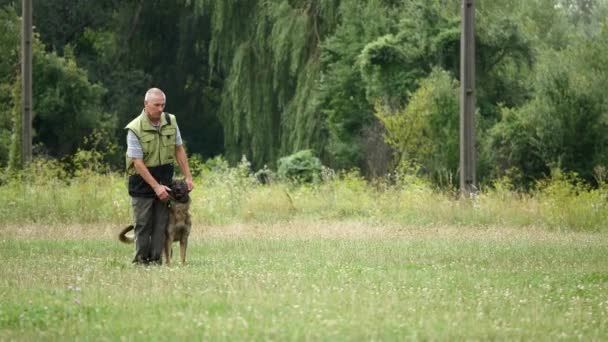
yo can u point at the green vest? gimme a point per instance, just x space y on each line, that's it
158 145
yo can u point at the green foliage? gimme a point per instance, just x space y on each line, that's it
569 203
9 71
99 51
226 189
512 145
80 190
62 23
14 152
129 46
391 65
92 157
165 44
426 131
504 59
268 51
300 167
564 125
394 53
67 105
342 95
55 192
268 78
387 70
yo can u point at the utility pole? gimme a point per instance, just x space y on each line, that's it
467 99
26 82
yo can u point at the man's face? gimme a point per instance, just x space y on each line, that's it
154 106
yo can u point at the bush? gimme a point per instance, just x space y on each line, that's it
300 167
426 130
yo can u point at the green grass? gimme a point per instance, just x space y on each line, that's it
305 280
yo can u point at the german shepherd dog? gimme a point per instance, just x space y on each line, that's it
180 223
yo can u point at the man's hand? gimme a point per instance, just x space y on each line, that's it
182 160
162 192
190 184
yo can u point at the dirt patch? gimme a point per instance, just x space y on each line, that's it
317 229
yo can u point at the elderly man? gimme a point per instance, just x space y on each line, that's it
153 145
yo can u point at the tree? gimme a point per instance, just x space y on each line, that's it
67 106
267 53
9 71
62 23
564 125
343 97
165 44
425 132
129 46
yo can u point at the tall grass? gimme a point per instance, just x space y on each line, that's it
46 194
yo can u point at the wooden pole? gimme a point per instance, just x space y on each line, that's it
467 99
26 82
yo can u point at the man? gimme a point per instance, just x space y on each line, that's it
154 143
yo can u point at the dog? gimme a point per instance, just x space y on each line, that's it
180 223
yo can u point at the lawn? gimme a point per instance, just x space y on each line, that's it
307 281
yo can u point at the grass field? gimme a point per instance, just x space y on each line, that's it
307 280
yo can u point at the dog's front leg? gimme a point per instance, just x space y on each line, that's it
183 245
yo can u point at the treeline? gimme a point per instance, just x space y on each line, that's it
367 84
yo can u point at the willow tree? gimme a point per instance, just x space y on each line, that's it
268 53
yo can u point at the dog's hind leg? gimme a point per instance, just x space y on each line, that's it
167 250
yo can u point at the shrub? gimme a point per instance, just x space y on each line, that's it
300 167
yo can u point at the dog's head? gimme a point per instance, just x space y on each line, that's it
179 191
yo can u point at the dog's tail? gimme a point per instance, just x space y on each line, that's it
122 236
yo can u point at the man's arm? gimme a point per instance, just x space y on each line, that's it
142 170
182 161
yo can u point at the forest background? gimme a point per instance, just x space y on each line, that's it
368 85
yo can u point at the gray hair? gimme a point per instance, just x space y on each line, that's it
154 91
